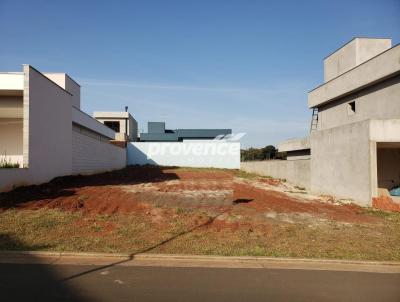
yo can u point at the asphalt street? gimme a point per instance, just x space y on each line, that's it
40 282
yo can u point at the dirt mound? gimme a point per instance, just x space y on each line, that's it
385 203
268 200
138 189
200 174
96 200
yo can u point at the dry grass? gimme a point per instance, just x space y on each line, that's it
189 231
248 175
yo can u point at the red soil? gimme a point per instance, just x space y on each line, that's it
271 181
263 200
109 193
385 203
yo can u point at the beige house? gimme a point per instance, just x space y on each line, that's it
44 132
353 150
123 123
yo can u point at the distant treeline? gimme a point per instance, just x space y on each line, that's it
265 153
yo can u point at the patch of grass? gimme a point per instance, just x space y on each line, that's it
381 213
97 228
7 164
180 211
29 230
297 192
193 169
247 175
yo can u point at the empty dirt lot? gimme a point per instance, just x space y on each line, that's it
192 211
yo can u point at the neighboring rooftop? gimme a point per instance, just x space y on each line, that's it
108 114
157 132
11 83
122 122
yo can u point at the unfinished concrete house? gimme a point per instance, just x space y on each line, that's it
353 150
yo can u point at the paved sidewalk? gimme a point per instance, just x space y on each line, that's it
162 260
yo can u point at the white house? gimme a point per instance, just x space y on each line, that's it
44 131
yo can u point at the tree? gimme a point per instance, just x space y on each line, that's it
269 152
265 153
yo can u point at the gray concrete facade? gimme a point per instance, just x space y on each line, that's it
296 148
355 148
297 172
341 162
378 101
375 70
354 53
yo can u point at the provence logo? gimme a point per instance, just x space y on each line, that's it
223 145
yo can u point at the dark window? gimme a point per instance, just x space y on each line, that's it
113 125
352 107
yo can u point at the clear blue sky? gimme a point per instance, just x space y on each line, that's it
246 65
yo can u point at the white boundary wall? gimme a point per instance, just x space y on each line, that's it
199 154
297 172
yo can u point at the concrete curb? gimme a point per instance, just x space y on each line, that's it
260 258
62 254
167 260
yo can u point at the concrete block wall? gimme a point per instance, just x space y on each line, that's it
92 154
297 172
